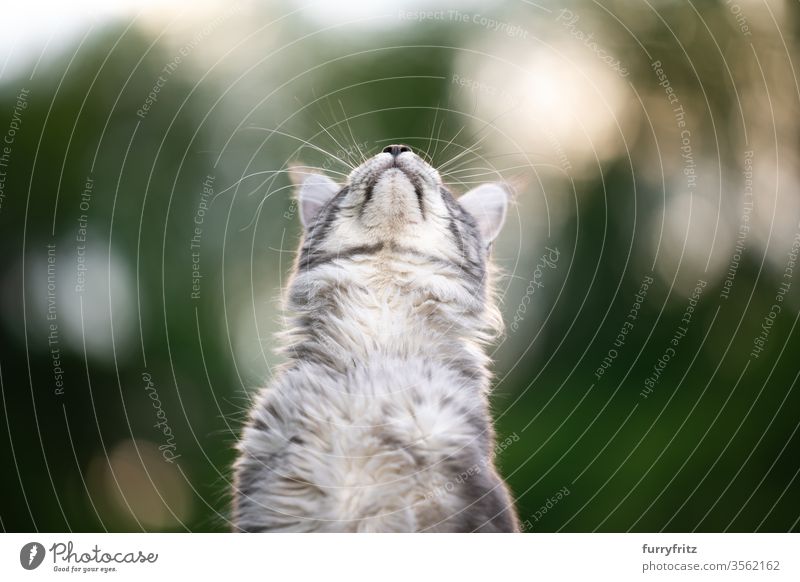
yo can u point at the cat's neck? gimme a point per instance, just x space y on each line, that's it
345 317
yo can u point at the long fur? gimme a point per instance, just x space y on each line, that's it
379 421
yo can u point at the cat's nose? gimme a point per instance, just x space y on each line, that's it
396 149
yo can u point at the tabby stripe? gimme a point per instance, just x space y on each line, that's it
368 194
319 228
473 270
314 260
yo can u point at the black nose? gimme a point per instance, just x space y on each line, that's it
396 149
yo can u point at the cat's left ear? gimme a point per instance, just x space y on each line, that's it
487 204
315 192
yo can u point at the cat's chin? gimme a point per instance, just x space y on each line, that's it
394 201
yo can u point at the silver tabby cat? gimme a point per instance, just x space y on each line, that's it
380 419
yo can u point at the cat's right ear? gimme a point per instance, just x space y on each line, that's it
315 192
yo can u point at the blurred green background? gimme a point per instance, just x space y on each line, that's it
147 230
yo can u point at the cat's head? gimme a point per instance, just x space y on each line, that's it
395 200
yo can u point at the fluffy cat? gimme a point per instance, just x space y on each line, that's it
380 419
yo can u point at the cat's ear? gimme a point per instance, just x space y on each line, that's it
487 204
315 192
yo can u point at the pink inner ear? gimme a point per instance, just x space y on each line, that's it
315 192
487 204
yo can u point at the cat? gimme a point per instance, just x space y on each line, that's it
380 422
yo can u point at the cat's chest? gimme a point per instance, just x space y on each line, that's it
411 403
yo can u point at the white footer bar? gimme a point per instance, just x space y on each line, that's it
389 557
